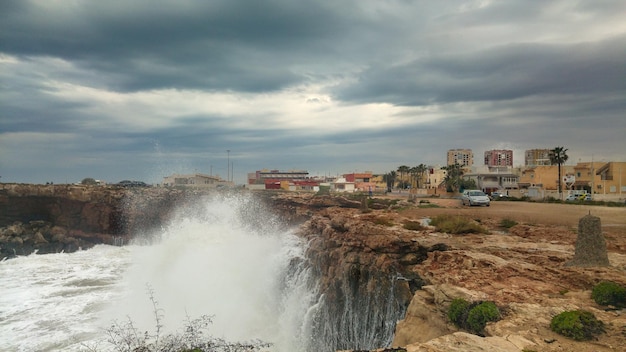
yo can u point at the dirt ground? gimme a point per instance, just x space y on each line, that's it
613 219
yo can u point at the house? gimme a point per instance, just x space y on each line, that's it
490 182
545 177
342 185
362 181
612 179
585 177
196 180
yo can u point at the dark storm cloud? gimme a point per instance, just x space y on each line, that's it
503 73
112 88
143 45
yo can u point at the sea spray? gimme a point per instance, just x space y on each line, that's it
227 257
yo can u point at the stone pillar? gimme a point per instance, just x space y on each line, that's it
590 244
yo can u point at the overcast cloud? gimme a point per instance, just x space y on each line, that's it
138 90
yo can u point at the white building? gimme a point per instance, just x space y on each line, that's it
194 181
341 185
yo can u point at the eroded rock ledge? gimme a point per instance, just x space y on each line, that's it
55 218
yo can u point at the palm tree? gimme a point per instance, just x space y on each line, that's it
390 179
403 169
558 156
413 172
453 177
421 170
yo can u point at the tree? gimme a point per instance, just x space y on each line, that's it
453 177
421 170
402 170
390 179
558 156
88 181
413 177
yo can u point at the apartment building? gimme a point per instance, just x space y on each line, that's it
463 157
259 177
537 157
501 157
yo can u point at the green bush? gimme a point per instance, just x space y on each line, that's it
323 190
473 316
609 293
456 225
457 313
413 225
480 315
507 223
579 325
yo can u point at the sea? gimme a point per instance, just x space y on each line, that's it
219 257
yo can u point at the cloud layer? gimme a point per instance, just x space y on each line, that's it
117 90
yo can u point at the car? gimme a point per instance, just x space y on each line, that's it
498 195
474 197
576 197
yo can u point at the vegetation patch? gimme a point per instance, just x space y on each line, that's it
383 221
323 191
457 313
413 225
480 315
507 223
609 293
473 317
579 325
428 205
126 337
456 225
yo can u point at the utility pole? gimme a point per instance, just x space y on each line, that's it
228 165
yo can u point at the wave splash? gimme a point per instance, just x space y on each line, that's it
229 258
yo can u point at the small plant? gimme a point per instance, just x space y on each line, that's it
428 205
125 337
507 223
579 325
609 293
382 221
413 225
457 313
456 225
473 316
323 190
480 315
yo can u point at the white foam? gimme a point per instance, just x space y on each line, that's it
208 261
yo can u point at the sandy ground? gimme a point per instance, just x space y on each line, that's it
613 219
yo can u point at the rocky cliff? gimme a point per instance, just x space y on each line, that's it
54 218
375 267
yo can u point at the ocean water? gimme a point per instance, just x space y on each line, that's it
224 257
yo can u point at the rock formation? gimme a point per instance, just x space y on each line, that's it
55 218
590 243
363 274
373 270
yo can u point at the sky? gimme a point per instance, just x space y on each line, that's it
138 90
